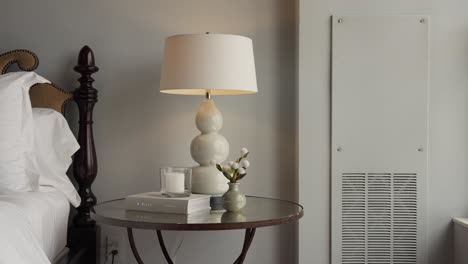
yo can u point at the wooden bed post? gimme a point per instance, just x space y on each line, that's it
84 235
85 163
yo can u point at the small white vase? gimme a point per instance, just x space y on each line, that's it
233 199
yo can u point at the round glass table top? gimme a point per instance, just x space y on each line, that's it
258 212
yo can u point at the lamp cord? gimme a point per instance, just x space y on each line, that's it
178 247
114 253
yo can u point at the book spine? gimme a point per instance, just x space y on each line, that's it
154 205
198 205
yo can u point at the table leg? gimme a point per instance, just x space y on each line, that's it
249 235
133 246
163 247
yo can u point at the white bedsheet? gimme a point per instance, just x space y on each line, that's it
44 215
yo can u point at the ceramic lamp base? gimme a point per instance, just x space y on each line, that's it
207 147
207 180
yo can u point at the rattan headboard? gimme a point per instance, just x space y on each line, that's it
42 94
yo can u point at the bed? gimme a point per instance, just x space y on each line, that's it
48 211
37 223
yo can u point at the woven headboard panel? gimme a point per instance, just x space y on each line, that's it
42 95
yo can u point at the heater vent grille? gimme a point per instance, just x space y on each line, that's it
379 218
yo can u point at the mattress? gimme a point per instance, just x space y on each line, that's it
47 213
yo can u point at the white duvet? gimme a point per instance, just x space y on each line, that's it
18 243
33 226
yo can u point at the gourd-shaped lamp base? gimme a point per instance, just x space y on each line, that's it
207 147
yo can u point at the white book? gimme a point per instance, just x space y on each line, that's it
156 202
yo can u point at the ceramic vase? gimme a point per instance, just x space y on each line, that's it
233 199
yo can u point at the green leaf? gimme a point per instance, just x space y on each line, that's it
241 176
219 167
235 176
227 175
246 154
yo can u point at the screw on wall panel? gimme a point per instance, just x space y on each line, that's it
420 149
339 149
422 20
340 20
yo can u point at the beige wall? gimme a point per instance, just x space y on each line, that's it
448 126
138 130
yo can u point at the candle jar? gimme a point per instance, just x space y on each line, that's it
176 181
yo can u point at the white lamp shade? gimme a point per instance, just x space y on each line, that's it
197 63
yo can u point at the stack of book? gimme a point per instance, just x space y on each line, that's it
157 202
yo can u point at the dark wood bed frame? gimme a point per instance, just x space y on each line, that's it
83 233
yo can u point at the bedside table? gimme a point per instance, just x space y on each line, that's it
259 212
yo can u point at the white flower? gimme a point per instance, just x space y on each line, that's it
245 164
241 171
244 151
235 165
226 168
212 162
230 163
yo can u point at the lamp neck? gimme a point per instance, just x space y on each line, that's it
208 95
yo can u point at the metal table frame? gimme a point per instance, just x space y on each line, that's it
249 226
249 235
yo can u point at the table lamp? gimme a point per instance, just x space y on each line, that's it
208 64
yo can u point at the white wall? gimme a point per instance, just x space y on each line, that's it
138 130
448 122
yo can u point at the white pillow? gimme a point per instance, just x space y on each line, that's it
16 131
54 145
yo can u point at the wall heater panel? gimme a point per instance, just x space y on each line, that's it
379 139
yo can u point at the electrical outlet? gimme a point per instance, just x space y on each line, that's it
113 239
111 245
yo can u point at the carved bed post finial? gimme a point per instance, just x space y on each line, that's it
85 163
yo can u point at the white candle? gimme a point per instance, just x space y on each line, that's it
175 182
